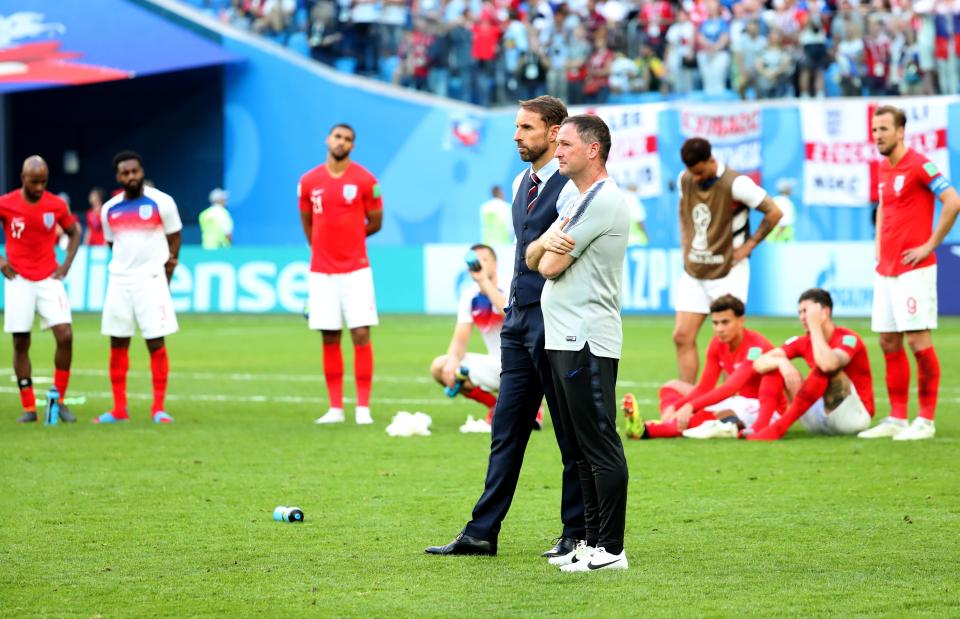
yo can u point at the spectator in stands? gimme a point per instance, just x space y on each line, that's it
274 16
624 77
438 75
365 44
774 68
680 56
516 44
578 54
461 56
556 42
596 85
713 57
533 70
813 43
394 16
414 53
906 77
93 235
486 42
652 73
924 22
849 56
746 54
876 58
325 35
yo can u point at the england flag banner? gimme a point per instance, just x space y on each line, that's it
840 159
734 132
634 153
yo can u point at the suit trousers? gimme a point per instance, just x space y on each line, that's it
524 380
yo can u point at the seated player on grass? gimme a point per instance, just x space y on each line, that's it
837 395
482 305
705 410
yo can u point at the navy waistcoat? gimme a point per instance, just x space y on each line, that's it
527 285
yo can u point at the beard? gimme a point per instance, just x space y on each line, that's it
339 155
532 153
886 151
134 187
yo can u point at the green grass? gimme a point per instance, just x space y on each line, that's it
140 520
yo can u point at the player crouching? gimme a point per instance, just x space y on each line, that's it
837 395
744 400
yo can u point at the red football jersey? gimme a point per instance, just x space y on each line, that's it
31 232
96 228
858 370
339 206
907 193
721 359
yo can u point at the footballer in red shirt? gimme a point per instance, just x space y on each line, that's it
340 206
34 281
837 395
905 285
705 410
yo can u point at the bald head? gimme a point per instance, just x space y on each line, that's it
34 178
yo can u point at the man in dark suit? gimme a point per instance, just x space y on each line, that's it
538 192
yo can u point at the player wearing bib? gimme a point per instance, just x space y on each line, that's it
340 206
34 281
715 239
481 305
837 395
905 285
142 227
706 410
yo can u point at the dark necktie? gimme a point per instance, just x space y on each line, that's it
532 192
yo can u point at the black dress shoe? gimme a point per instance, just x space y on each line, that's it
565 545
465 545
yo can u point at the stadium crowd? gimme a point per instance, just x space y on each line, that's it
595 51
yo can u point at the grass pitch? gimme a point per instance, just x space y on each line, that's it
144 520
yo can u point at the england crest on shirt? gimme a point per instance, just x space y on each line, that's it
898 183
48 220
146 211
349 192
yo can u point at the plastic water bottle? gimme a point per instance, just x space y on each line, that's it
462 374
52 417
288 514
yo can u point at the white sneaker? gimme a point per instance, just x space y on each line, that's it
581 553
919 430
334 415
888 428
363 416
714 428
599 560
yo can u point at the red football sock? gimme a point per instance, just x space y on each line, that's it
898 382
363 372
668 396
479 395
27 398
119 364
770 396
928 381
160 369
656 429
699 417
812 390
61 378
333 373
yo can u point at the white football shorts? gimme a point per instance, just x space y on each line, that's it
746 409
145 303
338 297
696 295
847 419
484 370
907 302
23 299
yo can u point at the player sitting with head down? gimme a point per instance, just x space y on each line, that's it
706 410
837 395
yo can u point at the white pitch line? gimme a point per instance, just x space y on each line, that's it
43 375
